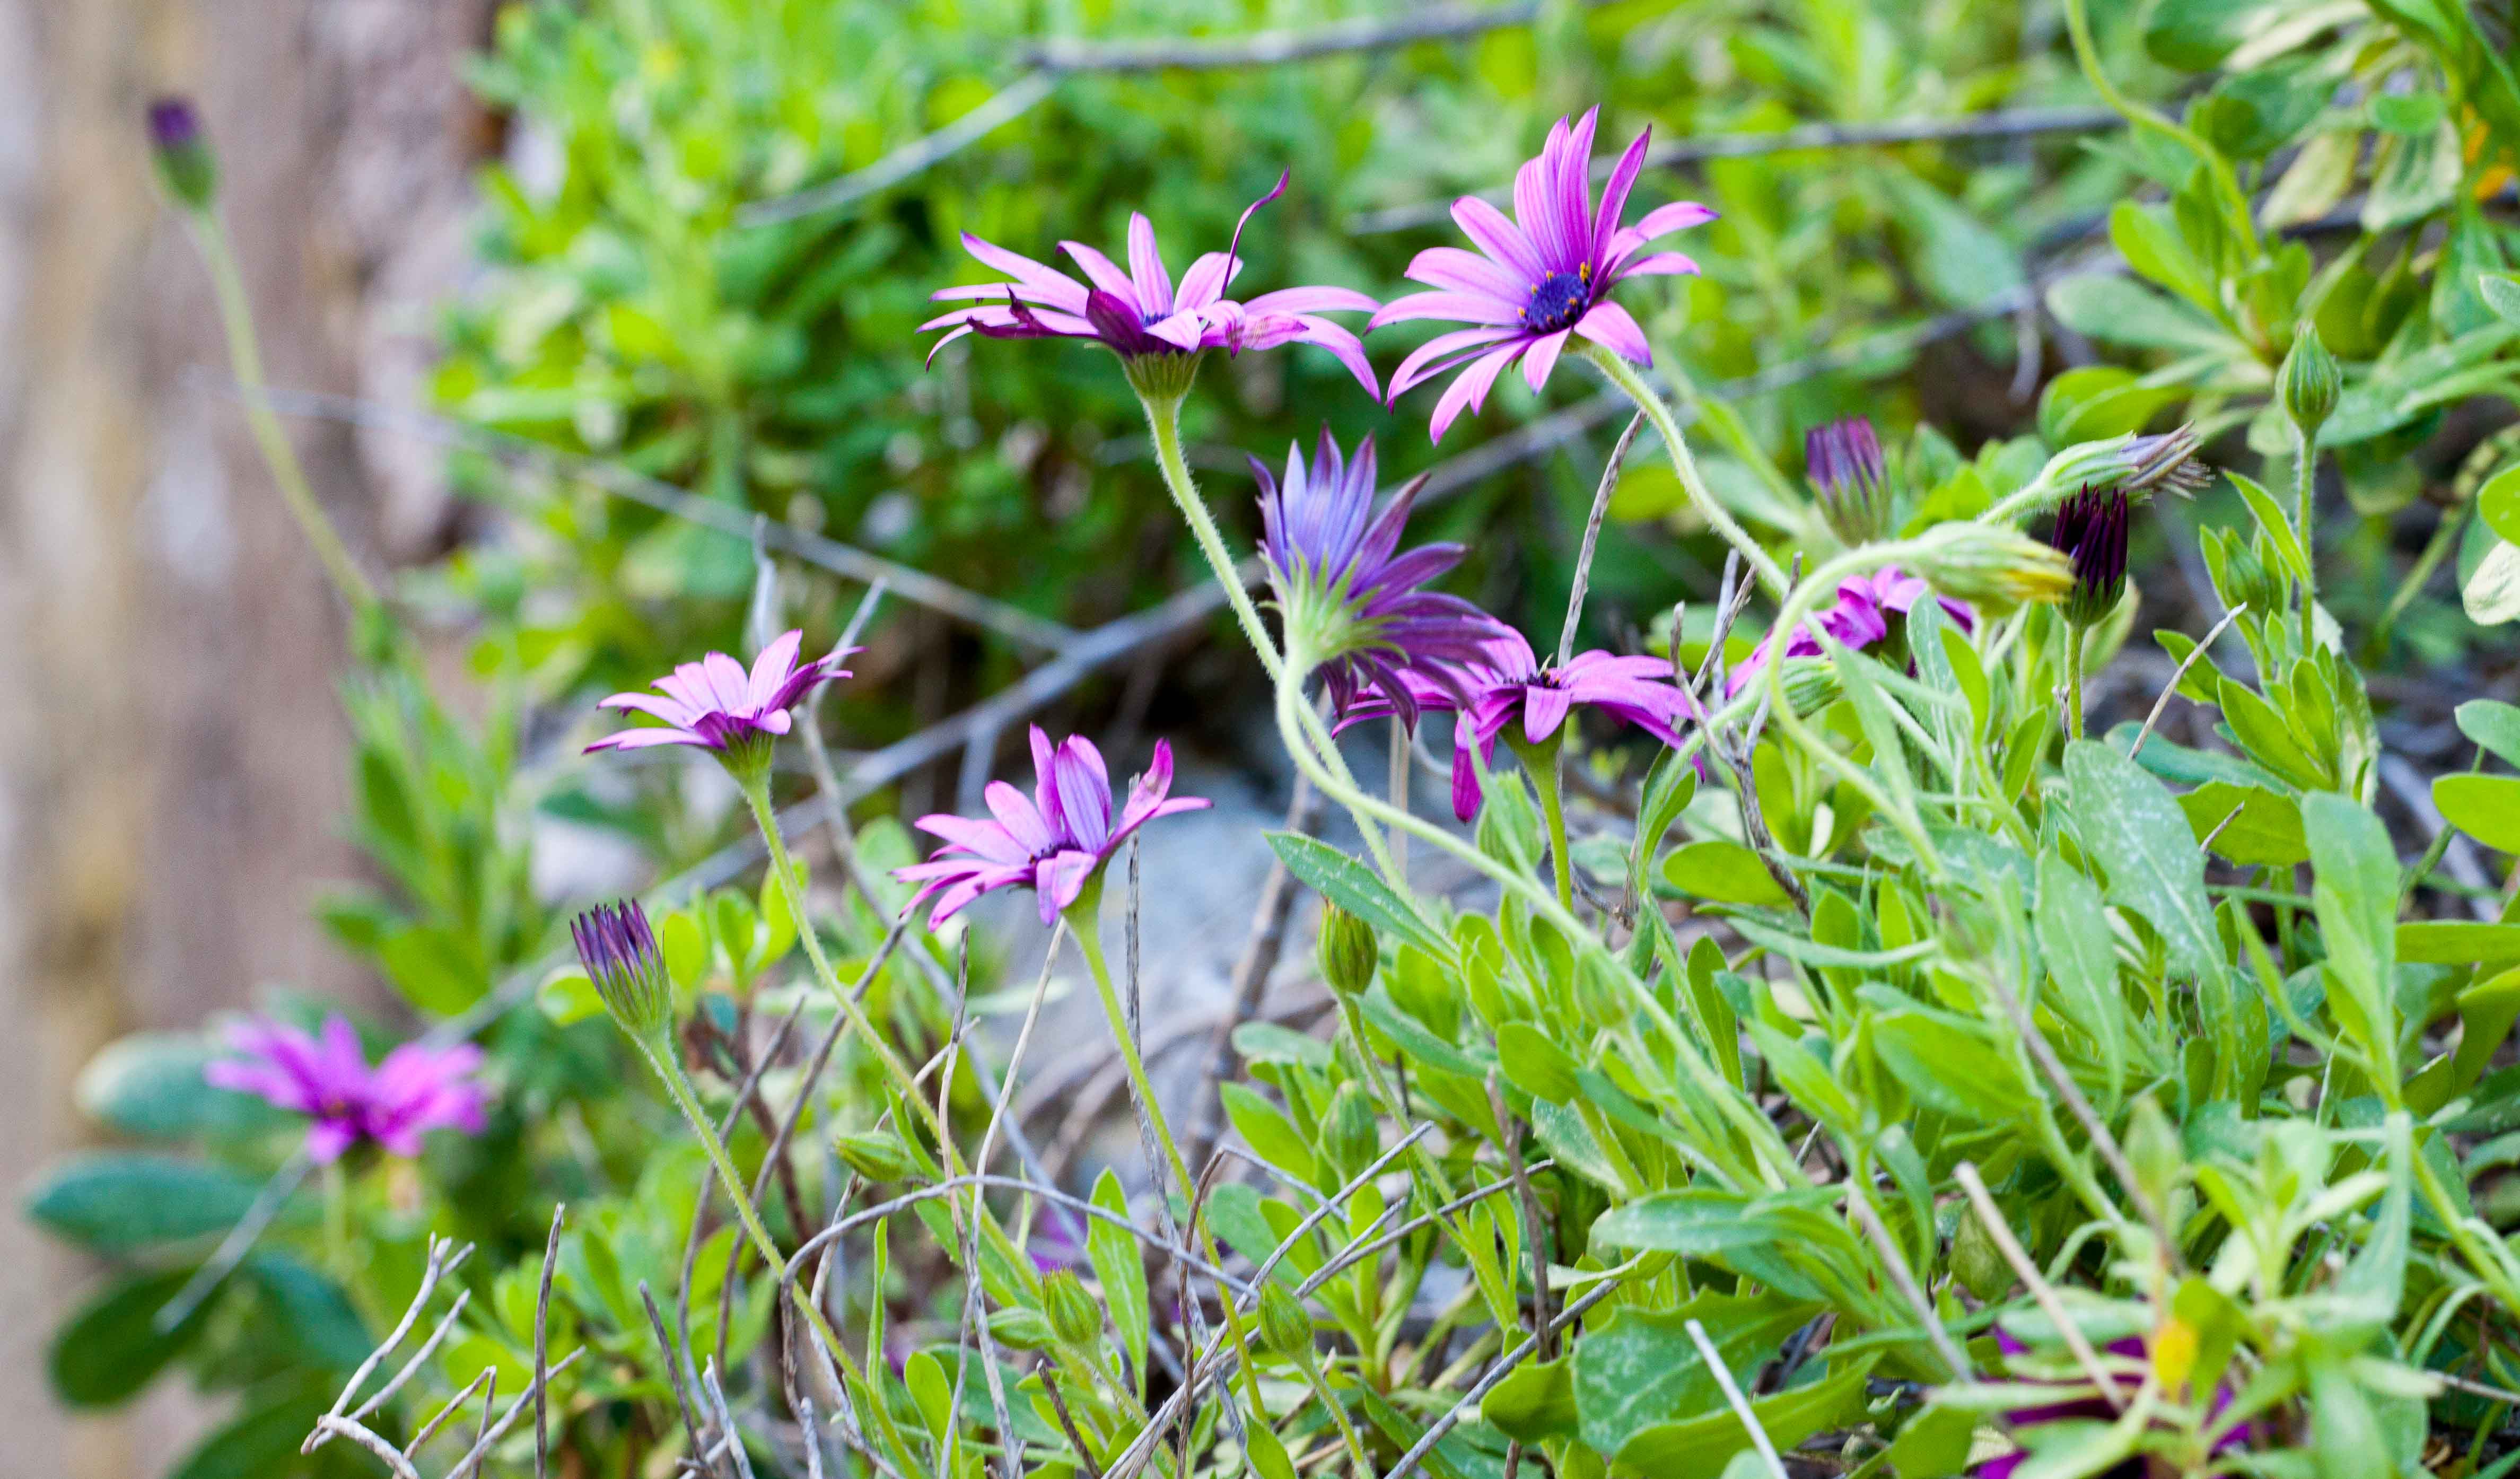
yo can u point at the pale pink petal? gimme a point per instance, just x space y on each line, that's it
1105 276
1614 199
1471 388
1679 215
1016 813
646 739
769 669
1542 357
1490 230
1460 307
1312 300
1609 326
1051 284
1450 267
1421 366
1060 880
1146 269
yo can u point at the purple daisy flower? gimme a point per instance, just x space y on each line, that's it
1333 566
1540 277
1139 313
1857 619
718 706
1052 842
1511 691
417 1089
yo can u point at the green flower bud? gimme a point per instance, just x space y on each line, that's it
1020 1327
1350 1135
1346 951
1989 567
1284 1328
619 953
1074 1316
185 163
2310 383
879 1155
1976 1261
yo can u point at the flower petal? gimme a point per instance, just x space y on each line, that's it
1146 269
1614 199
1609 325
1471 388
1016 813
1490 232
1542 357
1105 276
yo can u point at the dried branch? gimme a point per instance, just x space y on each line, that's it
1593 536
1019 98
2009 124
542 1348
1990 1218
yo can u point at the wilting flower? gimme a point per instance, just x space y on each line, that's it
1857 619
715 704
1540 277
619 952
1140 315
417 1089
2097 1408
1052 842
1354 604
1853 480
1512 696
2092 530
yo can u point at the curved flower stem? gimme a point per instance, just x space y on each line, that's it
784 867
1797 609
244 361
1618 372
660 1056
1540 763
1163 424
1082 922
2304 482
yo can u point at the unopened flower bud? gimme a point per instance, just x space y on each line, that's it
1976 1260
1346 951
1844 462
619 953
879 1155
1074 1317
1350 1137
2310 383
2091 531
1992 567
184 161
1284 1328
2140 464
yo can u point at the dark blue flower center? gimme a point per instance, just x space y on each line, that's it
1558 299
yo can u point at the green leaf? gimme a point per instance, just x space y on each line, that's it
685 946
1268 1132
2484 807
2354 892
2491 593
568 998
1934 1445
2502 293
1536 1401
2074 942
1703 1443
1725 871
2378 1273
1951 1066
2130 823
1812 1087
313 1310
432 970
2195 35
1640 1368
116 1201
2099 401
2494 726
2107 306
1534 1064
149 1085
111 1347
2457 942
1120 1269
2266 830
259 1443
2274 521
1352 886
1794 947
1269 1043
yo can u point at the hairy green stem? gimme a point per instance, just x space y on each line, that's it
756 792
1618 372
2305 481
1539 762
1163 424
2073 680
244 359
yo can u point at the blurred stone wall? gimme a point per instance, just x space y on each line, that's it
171 752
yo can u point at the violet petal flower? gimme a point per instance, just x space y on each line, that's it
2091 528
417 1089
1858 619
1340 580
1539 278
1053 841
1511 692
715 704
1142 312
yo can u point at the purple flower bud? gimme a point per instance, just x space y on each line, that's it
1847 469
620 956
184 161
2092 530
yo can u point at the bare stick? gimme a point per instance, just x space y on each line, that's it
1067 1424
1019 98
1535 1232
454 1404
1733 1399
1904 1278
542 1349
330 1425
1990 1218
1433 23
2190 660
1496 1373
675 1366
1593 538
240 1241
724 1419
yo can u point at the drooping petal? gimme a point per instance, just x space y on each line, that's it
1104 275
1016 813
1054 286
1614 199
1060 879
1609 325
1679 215
1544 710
1421 364
984 840
648 738
1541 357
